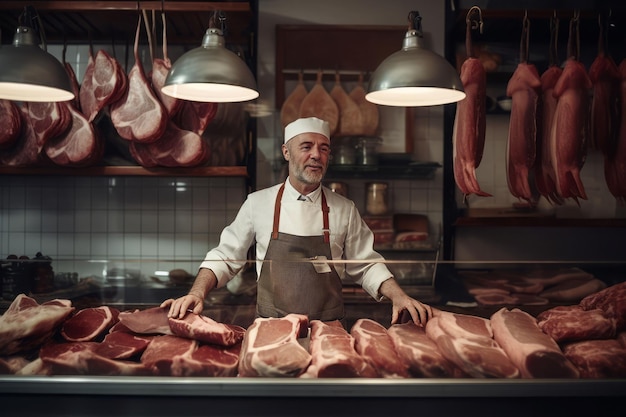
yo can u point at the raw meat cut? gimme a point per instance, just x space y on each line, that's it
374 343
26 324
24 151
209 361
420 353
318 103
48 120
139 115
122 345
79 358
333 354
290 110
88 324
163 350
10 365
270 347
349 112
149 321
467 341
11 123
532 351
572 323
597 358
79 146
195 116
615 163
370 115
573 290
176 148
104 82
468 137
611 300
205 329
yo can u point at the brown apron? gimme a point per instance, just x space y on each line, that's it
288 285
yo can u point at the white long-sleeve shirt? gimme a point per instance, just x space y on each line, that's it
350 238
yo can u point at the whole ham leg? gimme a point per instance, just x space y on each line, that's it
468 138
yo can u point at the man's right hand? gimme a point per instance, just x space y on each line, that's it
180 306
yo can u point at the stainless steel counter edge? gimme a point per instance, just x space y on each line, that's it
279 387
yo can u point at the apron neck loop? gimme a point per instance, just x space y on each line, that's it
325 211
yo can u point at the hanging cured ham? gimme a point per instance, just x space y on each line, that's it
370 115
569 127
523 88
545 176
349 112
290 110
139 115
11 122
469 124
318 103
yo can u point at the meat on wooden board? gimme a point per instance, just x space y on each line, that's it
290 110
350 118
318 103
370 115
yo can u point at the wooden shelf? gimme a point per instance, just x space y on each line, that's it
229 171
537 222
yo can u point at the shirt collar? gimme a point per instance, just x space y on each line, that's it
292 194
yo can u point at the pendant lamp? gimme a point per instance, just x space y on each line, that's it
28 72
414 76
211 72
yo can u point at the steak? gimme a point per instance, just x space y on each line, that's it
88 324
208 361
612 301
149 321
467 341
163 351
534 353
597 358
205 329
374 343
122 345
420 353
104 82
26 324
572 323
270 347
333 353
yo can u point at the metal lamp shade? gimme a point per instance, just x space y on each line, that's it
211 73
28 73
414 76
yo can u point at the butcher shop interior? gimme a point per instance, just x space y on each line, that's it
502 208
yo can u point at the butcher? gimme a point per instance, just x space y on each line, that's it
299 228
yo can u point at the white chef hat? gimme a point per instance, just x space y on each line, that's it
307 125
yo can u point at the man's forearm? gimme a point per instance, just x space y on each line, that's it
205 282
390 288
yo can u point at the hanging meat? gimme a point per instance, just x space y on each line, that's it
11 123
523 88
290 110
570 125
615 163
139 115
545 175
195 116
160 69
369 111
318 103
350 123
468 137
605 79
104 83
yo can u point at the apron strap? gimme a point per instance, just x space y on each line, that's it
325 211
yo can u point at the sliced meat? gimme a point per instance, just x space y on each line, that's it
420 353
467 341
205 329
290 111
149 321
373 342
597 358
270 347
26 324
333 353
318 103
350 118
370 115
139 115
208 361
48 120
572 323
11 123
532 351
88 324
195 116
104 82
122 345
163 351
612 301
